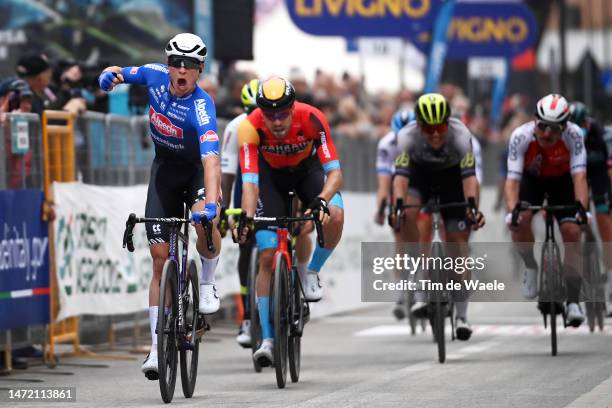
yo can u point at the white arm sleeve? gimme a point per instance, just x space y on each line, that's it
477 150
519 142
229 149
385 154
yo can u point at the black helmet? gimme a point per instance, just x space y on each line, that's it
578 112
275 94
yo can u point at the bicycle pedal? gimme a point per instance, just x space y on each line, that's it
152 375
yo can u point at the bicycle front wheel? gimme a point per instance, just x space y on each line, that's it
281 318
552 288
166 331
297 325
190 349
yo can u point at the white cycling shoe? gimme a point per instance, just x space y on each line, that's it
263 355
574 316
209 300
244 334
149 367
530 283
313 292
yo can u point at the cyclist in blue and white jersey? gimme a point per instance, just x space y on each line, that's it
386 153
183 127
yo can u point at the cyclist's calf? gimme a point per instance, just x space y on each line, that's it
333 229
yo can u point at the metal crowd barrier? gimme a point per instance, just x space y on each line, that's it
21 164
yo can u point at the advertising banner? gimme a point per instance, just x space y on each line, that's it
478 28
24 260
96 275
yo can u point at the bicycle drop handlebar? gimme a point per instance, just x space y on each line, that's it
525 206
133 220
284 221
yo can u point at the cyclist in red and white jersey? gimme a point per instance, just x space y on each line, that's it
547 156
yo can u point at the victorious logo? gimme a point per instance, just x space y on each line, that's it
164 125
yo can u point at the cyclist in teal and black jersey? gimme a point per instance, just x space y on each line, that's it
599 177
183 127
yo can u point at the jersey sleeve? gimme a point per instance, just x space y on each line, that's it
229 149
402 161
206 126
142 75
477 149
248 145
519 141
575 144
323 141
463 143
384 159
608 140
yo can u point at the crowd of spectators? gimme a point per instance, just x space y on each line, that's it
357 114
41 83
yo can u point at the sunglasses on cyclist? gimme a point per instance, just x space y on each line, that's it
276 115
431 129
183 62
554 127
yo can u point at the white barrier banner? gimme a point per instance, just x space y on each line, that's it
95 274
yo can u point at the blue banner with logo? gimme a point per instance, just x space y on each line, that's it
24 260
437 53
500 29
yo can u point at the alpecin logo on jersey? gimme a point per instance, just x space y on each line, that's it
164 125
202 115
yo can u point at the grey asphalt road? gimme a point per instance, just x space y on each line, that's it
368 359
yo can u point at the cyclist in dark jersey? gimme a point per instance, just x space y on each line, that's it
599 177
286 145
183 127
437 158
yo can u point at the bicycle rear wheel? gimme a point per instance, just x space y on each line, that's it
297 325
281 318
189 351
166 331
438 329
253 310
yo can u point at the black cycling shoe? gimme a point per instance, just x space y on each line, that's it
463 330
399 311
544 308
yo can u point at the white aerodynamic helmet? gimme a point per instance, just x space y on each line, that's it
187 45
553 108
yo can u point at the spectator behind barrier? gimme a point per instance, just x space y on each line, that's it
36 71
15 96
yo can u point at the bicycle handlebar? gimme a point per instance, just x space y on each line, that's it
133 220
284 220
525 206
